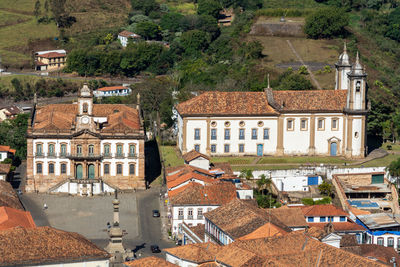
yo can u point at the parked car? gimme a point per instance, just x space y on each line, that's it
19 191
156 213
179 242
155 249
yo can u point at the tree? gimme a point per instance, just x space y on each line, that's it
61 16
247 174
148 30
292 81
36 11
46 6
146 6
325 188
394 170
195 41
326 23
12 133
209 7
172 21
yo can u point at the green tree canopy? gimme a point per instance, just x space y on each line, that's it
326 23
195 41
148 30
209 7
292 81
172 21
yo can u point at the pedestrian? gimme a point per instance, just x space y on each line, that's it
45 206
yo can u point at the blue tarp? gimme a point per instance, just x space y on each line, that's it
363 203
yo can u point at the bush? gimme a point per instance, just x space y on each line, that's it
209 7
195 41
292 81
148 30
326 23
172 21
279 12
307 201
310 201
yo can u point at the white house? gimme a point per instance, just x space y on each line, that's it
296 183
196 159
277 123
192 255
124 36
6 152
4 171
112 91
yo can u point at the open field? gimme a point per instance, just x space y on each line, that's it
385 161
291 4
304 160
170 156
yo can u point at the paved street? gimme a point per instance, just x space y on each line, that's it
89 216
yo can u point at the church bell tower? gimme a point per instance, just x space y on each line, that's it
85 108
357 93
343 67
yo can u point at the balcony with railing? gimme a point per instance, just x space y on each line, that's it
180 217
132 156
120 155
190 217
200 217
39 155
88 156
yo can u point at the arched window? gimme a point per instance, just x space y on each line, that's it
390 242
85 108
380 241
51 168
106 150
39 149
119 168
39 168
131 169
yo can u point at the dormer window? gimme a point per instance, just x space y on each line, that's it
358 86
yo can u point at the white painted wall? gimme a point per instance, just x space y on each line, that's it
317 219
179 125
190 141
175 221
293 183
201 163
98 263
357 128
117 92
123 40
374 239
3 155
77 189
175 260
245 193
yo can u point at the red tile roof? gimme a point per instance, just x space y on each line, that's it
5 168
52 55
340 226
226 103
322 210
7 149
178 179
311 100
150 262
8 197
129 34
197 253
111 88
381 253
10 218
45 245
291 217
217 193
193 154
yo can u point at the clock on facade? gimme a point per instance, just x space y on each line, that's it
85 120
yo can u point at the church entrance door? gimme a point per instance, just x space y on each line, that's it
91 171
78 172
333 148
260 150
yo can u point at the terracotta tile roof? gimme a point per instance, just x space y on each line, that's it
4 168
12 110
348 241
175 180
209 264
340 226
267 230
111 88
297 249
61 116
238 218
217 193
52 55
8 197
224 166
193 154
311 100
197 253
174 172
128 34
291 217
226 103
199 230
150 262
175 191
381 253
30 246
316 232
322 210
10 218
40 63
7 149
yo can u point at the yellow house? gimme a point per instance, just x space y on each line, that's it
50 60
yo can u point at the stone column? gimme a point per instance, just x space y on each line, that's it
279 147
184 148
349 145
208 148
311 148
363 136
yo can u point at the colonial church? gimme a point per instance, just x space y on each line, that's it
85 148
278 123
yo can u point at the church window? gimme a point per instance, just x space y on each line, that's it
213 148
119 150
260 124
213 134
356 134
227 134
63 168
227 124
335 124
119 168
321 124
241 148
63 149
358 86
380 241
91 149
85 108
303 125
39 169
290 125
197 148
242 124
79 149
106 150
132 150
241 134
132 169
266 134
39 149
51 149
106 168
51 168
226 148
196 134
254 134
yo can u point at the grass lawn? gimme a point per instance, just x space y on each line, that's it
291 4
254 168
385 161
234 160
170 156
395 147
182 7
303 160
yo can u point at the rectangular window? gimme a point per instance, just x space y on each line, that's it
303 124
39 168
266 134
342 218
322 219
119 168
213 134
106 168
213 148
91 149
39 149
79 149
241 134
196 134
132 150
63 149
226 148
321 124
335 124
380 241
180 214
390 242
51 150
199 213
241 148
106 150
197 148
290 125
51 168
119 150
190 213
227 134
310 219
131 169
254 134
330 218
63 168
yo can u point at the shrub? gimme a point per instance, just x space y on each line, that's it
326 23
307 201
303 70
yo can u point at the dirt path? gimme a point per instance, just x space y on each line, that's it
303 63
